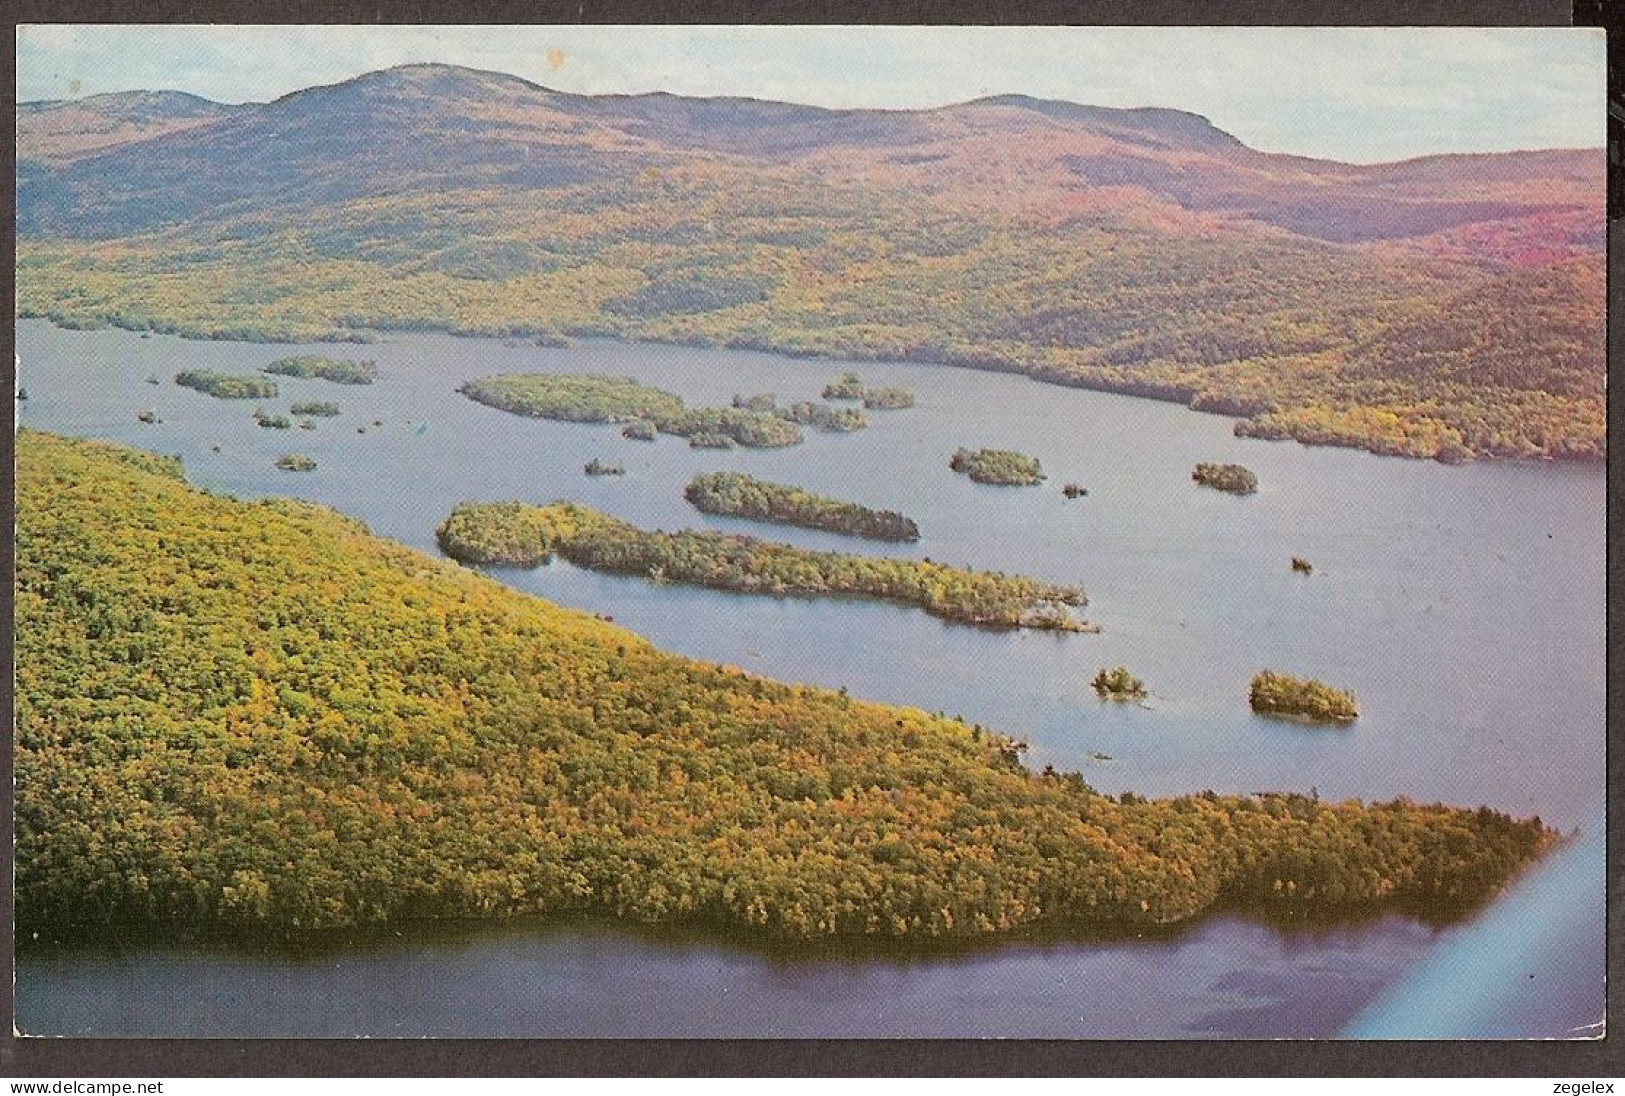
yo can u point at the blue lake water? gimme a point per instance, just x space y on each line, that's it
1464 606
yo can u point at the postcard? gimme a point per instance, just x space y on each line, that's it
809 532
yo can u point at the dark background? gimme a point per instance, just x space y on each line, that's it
48 1059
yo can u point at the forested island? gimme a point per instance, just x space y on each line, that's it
1000 467
204 701
264 418
739 495
337 370
1118 684
596 467
888 399
849 386
831 420
640 430
295 462
1282 694
319 408
596 398
522 535
227 386
1233 478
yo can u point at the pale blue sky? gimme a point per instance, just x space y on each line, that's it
1350 94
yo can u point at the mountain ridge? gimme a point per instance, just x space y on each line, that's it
1048 107
1140 250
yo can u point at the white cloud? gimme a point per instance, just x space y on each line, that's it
1360 94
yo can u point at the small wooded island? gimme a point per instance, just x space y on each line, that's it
831 420
1074 490
519 534
1001 467
270 421
227 386
481 753
596 467
324 409
640 430
1118 684
1302 566
295 462
742 496
337 370
849 386
888 398
598 398
1282 694
1226 477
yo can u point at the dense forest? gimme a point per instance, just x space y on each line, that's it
257 715
1000 467
592 397
518 534
742 496
1450 307
227 386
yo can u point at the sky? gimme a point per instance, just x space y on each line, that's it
1358 94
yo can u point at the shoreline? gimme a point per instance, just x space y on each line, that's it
1127 389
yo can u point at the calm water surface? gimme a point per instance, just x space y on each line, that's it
1464 606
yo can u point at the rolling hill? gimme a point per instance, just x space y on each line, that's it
1141 250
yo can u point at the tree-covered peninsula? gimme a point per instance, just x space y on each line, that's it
518 534
591 397
1000 467
227 386
256 716
337 370
738 495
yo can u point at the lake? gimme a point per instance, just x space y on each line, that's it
1463 605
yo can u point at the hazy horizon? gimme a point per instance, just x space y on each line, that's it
1357 95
